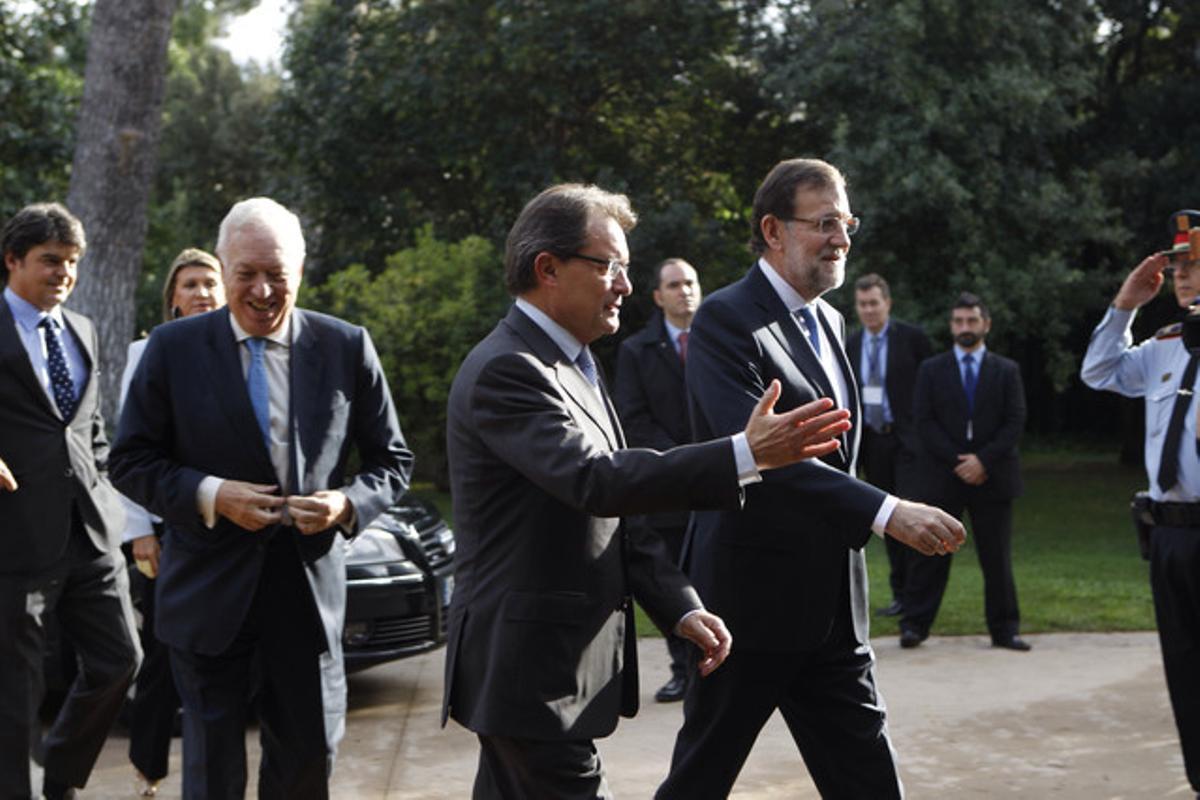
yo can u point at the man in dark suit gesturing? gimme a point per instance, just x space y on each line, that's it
651 399
787 572
970 410
236 431
885 353
541 657
60 520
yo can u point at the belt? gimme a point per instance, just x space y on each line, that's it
1176 515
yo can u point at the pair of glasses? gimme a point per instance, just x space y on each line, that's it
828 226
612 267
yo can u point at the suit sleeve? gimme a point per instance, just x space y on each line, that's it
633 404
727 374
386 462
518 412
1003 444
142 466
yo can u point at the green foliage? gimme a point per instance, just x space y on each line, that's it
41 80
425 310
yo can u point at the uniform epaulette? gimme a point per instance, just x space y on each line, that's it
1172 331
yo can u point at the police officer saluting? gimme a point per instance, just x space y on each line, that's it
1163 371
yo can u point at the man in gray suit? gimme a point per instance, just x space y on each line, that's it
59 551
541 657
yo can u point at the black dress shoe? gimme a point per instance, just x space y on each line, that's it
910 638
892 609
53 790
1013 643
672 691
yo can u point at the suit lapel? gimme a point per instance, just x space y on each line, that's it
667 353
850 438
786 330
81 329
224 367
574 386
306 375
12 352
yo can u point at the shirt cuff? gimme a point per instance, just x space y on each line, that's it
206 499
884 515
683 619
747 470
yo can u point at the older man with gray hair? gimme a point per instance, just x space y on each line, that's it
236 431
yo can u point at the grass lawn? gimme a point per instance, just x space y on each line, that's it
1074 554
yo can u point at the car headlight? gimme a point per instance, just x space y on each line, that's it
373 546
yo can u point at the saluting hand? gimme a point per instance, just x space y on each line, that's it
1142 284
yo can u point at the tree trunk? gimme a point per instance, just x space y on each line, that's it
116 143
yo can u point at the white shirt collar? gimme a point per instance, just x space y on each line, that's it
978 354
568 344
281 335
790 297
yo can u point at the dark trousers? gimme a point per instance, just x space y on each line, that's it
523 769
275 657
155 700
884 461
87 592
1175 581
827 698
991 530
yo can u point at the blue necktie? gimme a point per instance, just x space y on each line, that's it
587 366
60 374
810 327
873 412
969 381
256 384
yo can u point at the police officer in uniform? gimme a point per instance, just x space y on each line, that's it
1165 373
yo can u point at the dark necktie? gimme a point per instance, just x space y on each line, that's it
969 380
810 327
873 412
256 385
587 366
1168 464
683 346
60 374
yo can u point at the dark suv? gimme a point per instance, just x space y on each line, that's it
399 579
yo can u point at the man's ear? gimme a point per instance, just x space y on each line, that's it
769 227
11 261
545 268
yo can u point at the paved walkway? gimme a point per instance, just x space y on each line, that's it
1082 716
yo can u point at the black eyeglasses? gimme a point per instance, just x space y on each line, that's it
827 226
611 265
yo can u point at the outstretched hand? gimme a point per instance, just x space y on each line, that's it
7 481
807 431
708 632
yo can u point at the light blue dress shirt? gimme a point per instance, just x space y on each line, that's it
865 360
1153 370
27 317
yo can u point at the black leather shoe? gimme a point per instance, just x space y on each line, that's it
892 609
910 638
53 790
672 691
1013 643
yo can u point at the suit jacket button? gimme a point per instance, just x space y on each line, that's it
69 473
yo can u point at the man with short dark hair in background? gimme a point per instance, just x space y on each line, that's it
237 430
651 399
61 520
969 408
885 354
